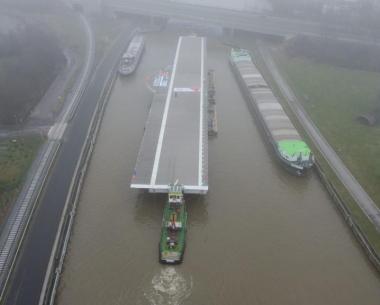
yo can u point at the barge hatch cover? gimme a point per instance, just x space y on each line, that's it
175 142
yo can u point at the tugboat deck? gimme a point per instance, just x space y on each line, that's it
174 145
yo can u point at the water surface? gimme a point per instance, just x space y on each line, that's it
260 236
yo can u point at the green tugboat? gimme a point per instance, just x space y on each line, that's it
173 232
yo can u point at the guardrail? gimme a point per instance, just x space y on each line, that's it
371 253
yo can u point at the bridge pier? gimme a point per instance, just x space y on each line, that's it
229 32
152 20
157 22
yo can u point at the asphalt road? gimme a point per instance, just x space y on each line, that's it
28 276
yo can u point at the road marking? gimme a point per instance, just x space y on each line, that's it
184 90
200 159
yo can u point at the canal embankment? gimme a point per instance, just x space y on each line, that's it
358 209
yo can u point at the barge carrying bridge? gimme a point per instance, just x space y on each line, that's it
175 142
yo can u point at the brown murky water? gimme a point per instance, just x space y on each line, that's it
260 236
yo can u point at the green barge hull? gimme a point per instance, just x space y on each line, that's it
173 232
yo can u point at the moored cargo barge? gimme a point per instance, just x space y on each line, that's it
132 55
288 145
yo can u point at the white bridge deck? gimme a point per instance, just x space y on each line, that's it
174 145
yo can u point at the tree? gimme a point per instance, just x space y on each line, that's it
30 59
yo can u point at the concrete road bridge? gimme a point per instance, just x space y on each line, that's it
231 20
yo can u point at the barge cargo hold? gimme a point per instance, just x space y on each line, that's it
173 231
132 55
290 149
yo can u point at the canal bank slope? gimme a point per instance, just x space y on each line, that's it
340 129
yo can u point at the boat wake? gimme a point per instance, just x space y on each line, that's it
169 288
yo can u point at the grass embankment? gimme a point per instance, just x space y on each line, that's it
333 97
16 156
67 26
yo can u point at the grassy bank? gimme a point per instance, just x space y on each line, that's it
333 97
55 16
16 156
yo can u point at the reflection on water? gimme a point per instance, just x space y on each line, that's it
148 208
169 287
196 206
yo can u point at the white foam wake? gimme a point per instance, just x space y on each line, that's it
169 288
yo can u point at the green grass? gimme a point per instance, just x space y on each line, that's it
16 156
330 95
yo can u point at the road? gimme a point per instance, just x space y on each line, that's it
364 201
27 279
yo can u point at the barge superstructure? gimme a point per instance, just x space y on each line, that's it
288 145
132 55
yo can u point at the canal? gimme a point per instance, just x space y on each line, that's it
260 236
